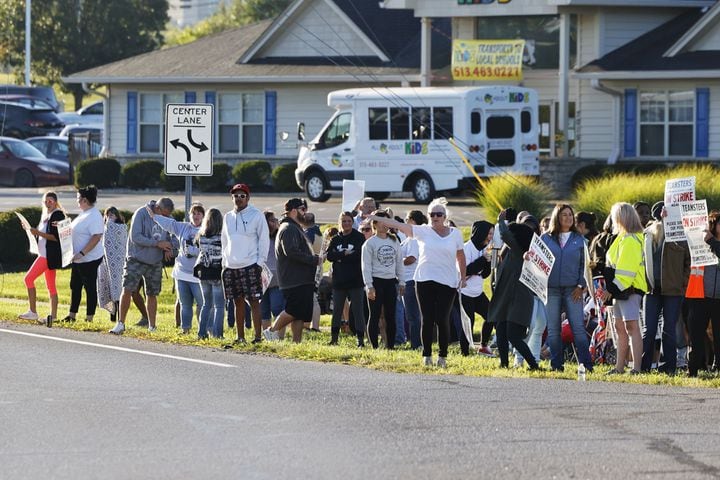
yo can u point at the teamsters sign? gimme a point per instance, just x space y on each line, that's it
490 60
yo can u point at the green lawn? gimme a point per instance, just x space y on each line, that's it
13 300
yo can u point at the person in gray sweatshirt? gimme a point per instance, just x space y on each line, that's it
147 245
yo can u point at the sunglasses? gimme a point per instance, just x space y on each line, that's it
239 195
366 229
437 214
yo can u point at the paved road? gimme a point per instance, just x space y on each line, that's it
463 210
82 411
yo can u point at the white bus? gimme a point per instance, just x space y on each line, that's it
396 139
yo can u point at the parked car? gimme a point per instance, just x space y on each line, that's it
88 115
76 129
22 121
26 100
22 165
41 92
54 147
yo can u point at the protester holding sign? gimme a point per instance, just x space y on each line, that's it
566 286
49 256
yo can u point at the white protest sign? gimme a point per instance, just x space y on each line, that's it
536 269
353 192
677 190
695 223
32 241
65 234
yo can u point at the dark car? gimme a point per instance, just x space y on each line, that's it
22 121
22 165
41 92
54 147
26 100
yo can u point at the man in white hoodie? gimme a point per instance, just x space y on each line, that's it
245 242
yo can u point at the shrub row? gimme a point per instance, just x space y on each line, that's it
521 193
141 174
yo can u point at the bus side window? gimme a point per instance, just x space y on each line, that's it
421 124
378 123
399 124
475 123
526 121
442 122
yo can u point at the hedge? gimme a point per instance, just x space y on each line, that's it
174 183
101 172
283 178
254 173
218 182
142 174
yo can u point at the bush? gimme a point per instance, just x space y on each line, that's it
218 182
598 195
254 173
173 183
283 178
142 174
101 172
521 193
15 254
598 171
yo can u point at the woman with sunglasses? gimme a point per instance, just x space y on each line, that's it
436 277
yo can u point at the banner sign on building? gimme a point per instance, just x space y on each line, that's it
490 60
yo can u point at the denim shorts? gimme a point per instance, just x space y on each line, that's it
134 271
628 309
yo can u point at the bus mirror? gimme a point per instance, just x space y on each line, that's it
301 131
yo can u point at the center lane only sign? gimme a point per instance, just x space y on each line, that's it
188 139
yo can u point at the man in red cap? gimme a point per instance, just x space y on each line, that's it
245 242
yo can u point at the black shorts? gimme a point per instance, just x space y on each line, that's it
299 302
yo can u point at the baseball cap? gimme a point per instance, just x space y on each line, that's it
295 203
238 187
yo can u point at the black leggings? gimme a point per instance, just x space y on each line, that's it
436 301
515 334
702 310
84 275
473 305
385 302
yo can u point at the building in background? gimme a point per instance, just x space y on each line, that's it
184 13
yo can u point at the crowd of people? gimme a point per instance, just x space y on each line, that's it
397 281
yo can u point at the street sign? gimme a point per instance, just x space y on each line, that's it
188 139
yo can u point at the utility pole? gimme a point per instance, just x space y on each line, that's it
28 5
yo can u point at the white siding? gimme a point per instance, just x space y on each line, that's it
318 30
596 125
621 26
710 40
587 38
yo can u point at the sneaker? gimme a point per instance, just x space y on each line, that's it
485 351
441 363
255 341
270 336
427 361
143 322
29 315
68 319
118 329
152 329
239 341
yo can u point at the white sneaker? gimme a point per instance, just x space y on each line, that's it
441 362
152 329
427 361
118 329
29 315
270 336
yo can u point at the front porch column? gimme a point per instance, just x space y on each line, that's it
564 80
425 51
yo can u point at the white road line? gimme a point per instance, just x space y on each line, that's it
121 349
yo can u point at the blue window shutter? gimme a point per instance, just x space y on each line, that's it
132 122
210 98
702 122
630 122
270 122
190 97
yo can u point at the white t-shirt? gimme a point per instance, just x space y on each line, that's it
475 283
84 226
410 248
437 261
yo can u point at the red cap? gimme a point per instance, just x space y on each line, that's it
240 187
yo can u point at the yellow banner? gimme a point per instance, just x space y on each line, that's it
490 60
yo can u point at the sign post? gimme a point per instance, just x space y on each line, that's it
189 143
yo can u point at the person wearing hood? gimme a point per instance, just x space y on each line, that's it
245 241
511 306
667 267
472 298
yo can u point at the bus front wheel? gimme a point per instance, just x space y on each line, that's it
315 187
422 188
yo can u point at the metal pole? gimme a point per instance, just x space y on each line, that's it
188 197
28 5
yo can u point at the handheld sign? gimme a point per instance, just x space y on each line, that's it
695 223
536 269
677 190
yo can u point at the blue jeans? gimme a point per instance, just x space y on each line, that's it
559 297
400 336
212 313
187 292
412 313
537 328
272 303
670 307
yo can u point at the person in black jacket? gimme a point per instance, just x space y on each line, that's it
344 252
296 267
49 256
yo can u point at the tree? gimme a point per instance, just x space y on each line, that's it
232 15
70 36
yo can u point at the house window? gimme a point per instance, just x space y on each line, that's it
152 120
667 123
241 118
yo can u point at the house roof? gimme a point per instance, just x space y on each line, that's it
645 57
